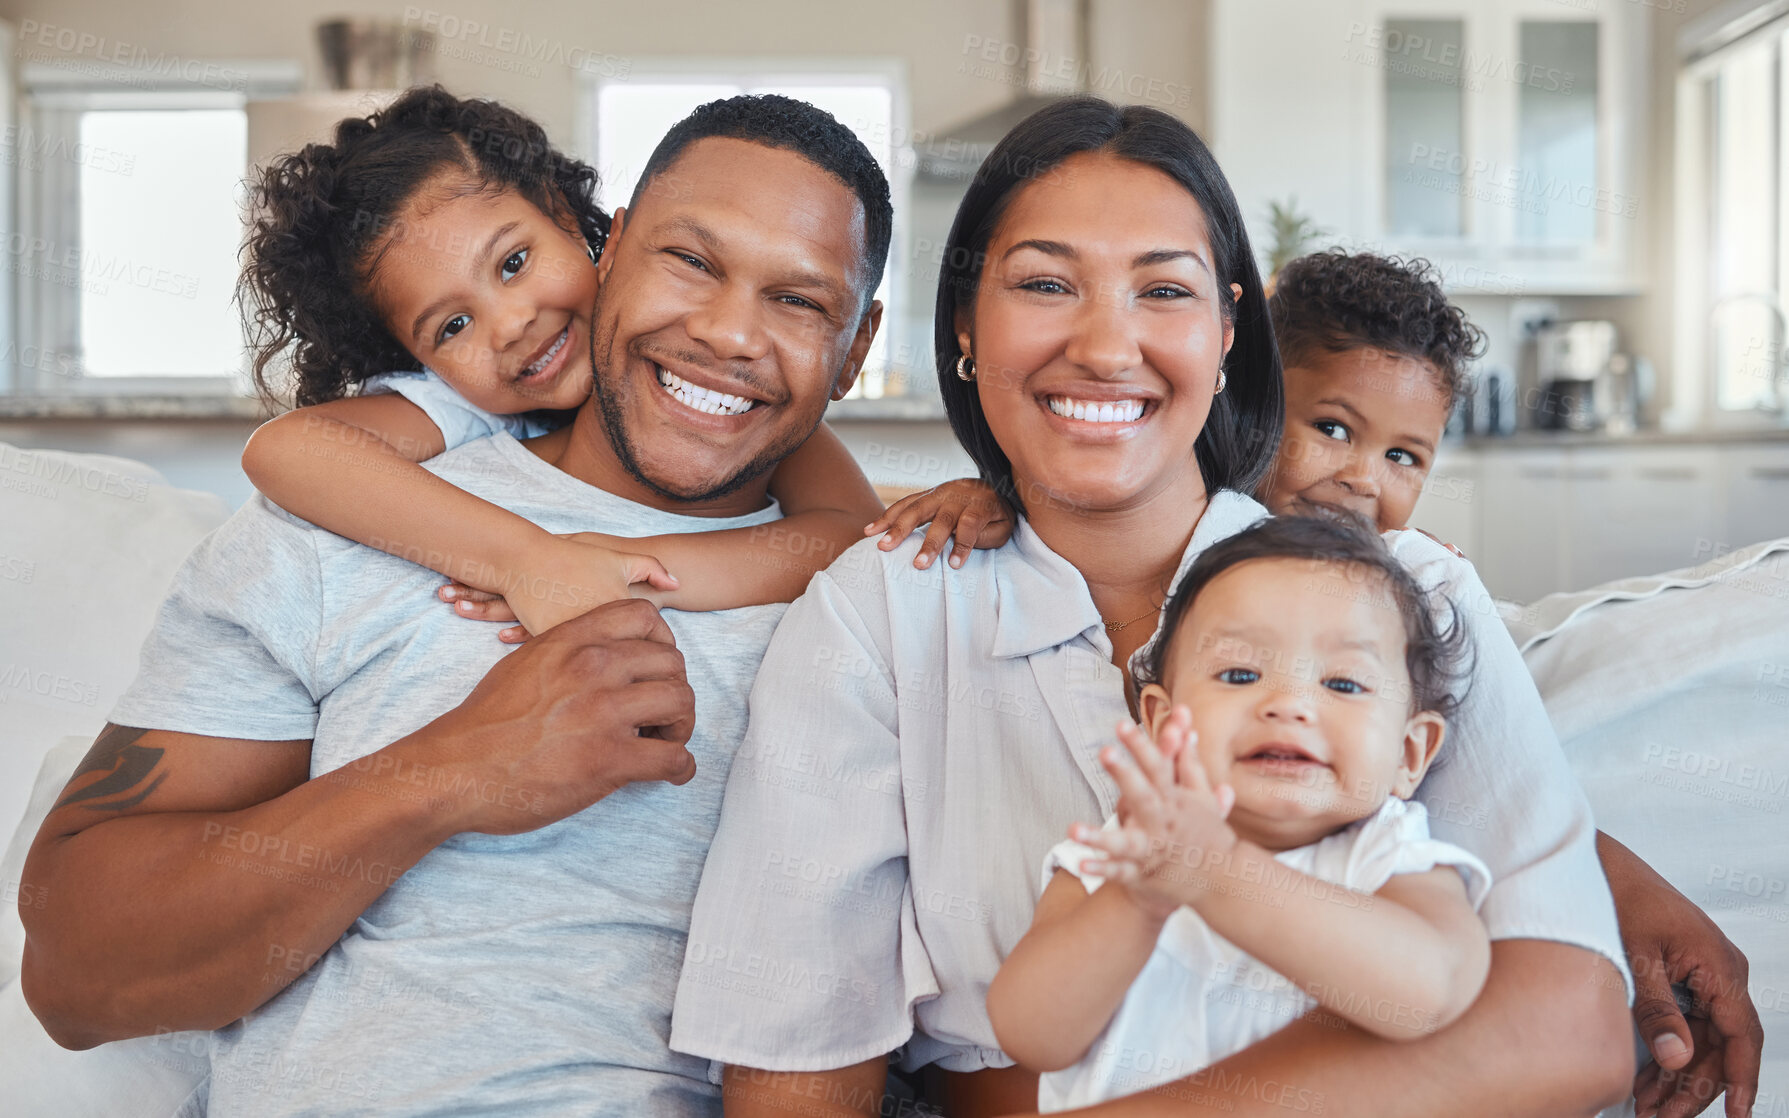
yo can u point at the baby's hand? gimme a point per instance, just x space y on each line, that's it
579 576
966 508
1171 832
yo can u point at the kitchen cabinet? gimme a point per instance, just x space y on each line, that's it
1523 543
1756 483
1540 519
1505 140
1638 510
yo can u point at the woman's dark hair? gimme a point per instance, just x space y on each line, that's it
1242 434
320 219
1436 651
1336 301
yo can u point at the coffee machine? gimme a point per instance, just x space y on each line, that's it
1582 383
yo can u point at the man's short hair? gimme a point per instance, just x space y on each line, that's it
783 122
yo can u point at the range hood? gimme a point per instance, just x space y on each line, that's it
1050 55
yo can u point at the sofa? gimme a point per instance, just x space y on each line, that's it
1670 694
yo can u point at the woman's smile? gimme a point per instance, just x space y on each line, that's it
1096 328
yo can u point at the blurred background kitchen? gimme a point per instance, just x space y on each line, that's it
1601 182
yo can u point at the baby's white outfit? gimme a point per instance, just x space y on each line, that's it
1199 998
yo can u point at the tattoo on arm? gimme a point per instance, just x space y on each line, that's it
126 765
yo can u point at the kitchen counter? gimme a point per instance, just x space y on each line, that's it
1548 440
131 408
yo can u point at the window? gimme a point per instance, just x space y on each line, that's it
130 207
1731 250
625 117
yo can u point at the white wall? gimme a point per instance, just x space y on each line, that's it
937 39
941 43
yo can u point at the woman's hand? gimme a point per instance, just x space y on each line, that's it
1171 836
578 576
1718 1045
966 509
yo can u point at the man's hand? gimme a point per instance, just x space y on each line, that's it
595 703
1171 832
1719 1044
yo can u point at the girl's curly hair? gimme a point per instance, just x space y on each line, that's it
320 218
1337 300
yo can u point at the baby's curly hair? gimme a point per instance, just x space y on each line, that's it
320 219
1336 301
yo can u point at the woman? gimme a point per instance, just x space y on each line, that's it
919 739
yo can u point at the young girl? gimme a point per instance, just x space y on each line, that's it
1375 358
1264 858
344 233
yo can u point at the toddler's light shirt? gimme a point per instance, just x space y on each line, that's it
1200 998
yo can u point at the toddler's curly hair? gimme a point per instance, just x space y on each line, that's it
321 218
1336 301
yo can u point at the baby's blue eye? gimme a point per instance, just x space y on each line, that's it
1345 686
1239 675
1331 428
453 326
513 263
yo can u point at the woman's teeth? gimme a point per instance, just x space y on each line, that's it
1117 411
703 399
547 357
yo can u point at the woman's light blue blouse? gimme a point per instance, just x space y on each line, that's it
919 740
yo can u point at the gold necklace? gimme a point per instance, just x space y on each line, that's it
1119 626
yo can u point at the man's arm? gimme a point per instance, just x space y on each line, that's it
1548 1038
182 874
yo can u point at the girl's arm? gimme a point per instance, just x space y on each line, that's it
1066 978
826 501
351 466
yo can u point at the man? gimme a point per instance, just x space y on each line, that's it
388 894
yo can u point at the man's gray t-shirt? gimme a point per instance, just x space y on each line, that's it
525 974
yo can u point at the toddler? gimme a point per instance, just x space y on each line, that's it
1375 358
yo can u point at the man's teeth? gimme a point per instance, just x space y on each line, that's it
703 399
1093 411
547 357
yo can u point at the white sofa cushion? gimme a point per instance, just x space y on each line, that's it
1671 698
88 546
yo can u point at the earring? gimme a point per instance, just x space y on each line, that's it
590 251
966 367
1223 379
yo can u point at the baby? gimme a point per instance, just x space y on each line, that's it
1265 858
1375 359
